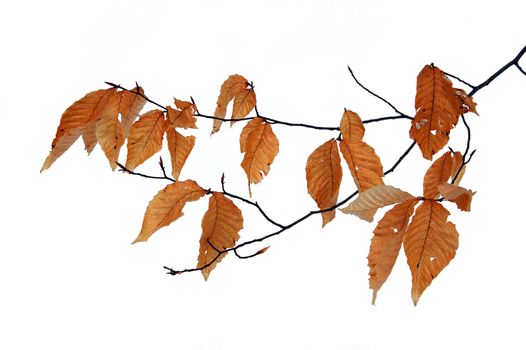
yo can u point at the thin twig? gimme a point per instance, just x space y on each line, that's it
457 78
375 95
128 171
513 62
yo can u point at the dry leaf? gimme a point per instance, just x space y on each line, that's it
262 146
437 111
386 243
183 116
324 175
458 195
74 120
167 206
145 138
221 225
244 103
430 244
249 127
375 198
466 103
109 131
457 164
230 88
438 173
180 147
131 105
351 127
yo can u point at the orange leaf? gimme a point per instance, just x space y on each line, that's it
351 127
180 147
386 243
230 88
324 175
109 131
89 136
438 173
221 225
167 206
437 111
375 198
145 138
251 125
458 195
74 120
131 106
262 146
466 103
183 117
458 164
430 244
244 102
364 164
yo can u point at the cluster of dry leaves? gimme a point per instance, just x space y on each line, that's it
109 117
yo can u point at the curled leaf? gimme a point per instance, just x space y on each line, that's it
458 195
230 88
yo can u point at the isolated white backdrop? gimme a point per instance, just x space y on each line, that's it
70 278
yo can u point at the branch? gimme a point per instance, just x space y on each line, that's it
513 62
164 177
282 228
376 95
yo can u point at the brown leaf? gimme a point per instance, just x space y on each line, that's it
183 117
167 206
438 173
364 164
262 146
430 244
89 136
221 225
466 103
457 164
180 147
458 195
351 127
180 119
244 102
131 105
324 175
145 138
375 198
74 120
437 111
230 88
386 243
251 125
109 131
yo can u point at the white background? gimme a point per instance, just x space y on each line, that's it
69 277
